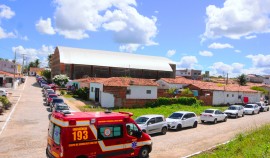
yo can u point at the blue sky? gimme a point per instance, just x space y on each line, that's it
220 36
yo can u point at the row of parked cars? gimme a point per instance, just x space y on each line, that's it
50 97
159 124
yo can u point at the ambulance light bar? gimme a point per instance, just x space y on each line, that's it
129 113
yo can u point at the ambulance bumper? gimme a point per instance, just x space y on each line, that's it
48 154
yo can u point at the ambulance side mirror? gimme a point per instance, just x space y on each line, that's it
138 134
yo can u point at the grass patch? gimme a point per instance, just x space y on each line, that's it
255 143
165 110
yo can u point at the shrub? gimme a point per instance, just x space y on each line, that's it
83 93
62 92
6 103
169 101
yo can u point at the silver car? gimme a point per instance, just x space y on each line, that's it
213 115
151 124
252 109
235 111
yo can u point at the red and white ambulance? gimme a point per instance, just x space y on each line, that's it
96 135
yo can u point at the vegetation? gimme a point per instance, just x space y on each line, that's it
49 60
60 80
171 91
165 110
168 101
251 144
82 93
46 74
35 63
242 80
256 88
6 103
186 91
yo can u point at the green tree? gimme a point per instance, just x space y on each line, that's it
37 63
242 80
186 91
61 80
46 74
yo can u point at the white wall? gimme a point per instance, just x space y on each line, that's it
107 100
139 92
165 85
220 97
92 94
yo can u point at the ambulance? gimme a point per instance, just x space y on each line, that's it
96 135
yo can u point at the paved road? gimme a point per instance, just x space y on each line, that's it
179 144
25 134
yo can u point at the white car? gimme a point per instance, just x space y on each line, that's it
3 92
263 106
182 119
235 111
152 124
213 115
252 109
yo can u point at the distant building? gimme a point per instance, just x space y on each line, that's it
77 63
10 67
254 78
189 73
35 70
266 79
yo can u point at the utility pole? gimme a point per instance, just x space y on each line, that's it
23 64
14 70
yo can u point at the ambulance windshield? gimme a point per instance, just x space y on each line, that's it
141 120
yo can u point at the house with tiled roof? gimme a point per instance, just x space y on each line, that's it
85 82
33 71
177 82
123 91
221 94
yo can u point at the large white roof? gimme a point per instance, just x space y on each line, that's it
113 59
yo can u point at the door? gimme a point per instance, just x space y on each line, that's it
185 120
97 94
152 126
1 81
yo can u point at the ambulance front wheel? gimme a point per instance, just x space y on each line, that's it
144 152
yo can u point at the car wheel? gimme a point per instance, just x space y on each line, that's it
179 127
243 115
202 121
252 112
164 130
225 119
236 116
267 109
144 152
195 124
215 121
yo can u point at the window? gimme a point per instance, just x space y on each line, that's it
192 115
148 91
152 121
132 129
128 91
232 95
110 132
56 134
186 116
92 89
51 129
159 119
227 95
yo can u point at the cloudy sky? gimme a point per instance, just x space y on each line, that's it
219 36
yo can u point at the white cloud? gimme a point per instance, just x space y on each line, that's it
260 60
32 54
25 38
6 12
45 26
237 51
220 46
4 34
251 37
237 19
129 48
170 53
76 20
206 53
187 62
221 68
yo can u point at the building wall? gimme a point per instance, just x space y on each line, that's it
55 63
8 66
140 92
107 100
224 97
165 85
266 80
93 86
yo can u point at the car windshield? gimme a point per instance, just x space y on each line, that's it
58 100
62 107
141 120
259 104
53 96
232 108
176 116
209 111
248 106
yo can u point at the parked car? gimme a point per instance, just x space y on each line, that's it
46 91
213 115
182 119
3 92
252 109
151 124
50 98
59 107
263 106
46 87
54 101
235 111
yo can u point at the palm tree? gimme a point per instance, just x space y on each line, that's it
37 63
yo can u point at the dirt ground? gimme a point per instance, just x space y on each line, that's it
26 132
